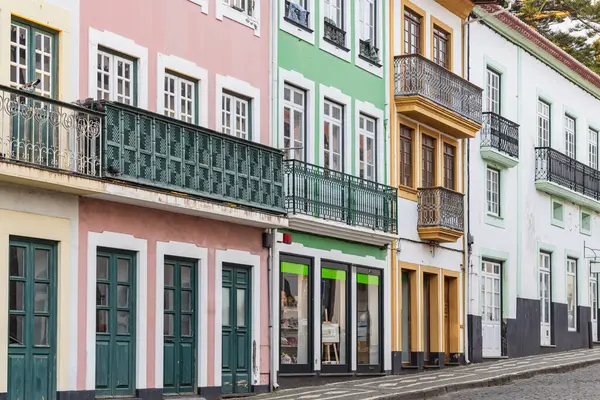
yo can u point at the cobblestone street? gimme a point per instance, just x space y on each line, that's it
580 384
573 384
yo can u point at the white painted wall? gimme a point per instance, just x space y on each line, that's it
526 223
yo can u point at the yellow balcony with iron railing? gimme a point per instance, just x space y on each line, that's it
440 214
434 96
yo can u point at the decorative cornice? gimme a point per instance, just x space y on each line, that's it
522 35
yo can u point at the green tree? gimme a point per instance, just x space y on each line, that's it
573 25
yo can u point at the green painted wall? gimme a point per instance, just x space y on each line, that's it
324 68
327 243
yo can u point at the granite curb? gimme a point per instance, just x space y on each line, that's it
486 382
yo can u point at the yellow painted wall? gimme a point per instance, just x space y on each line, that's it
40 227
42 13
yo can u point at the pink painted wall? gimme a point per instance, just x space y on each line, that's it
179 28
153 226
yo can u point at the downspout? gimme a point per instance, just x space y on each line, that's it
273 77
467 234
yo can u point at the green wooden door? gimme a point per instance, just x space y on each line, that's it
115 323
179 370
237 329
32 321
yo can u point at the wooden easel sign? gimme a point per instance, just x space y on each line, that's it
330 336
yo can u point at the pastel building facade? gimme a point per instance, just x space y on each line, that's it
532 284
435 111
133 221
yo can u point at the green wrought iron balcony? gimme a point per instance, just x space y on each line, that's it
331 195
150 149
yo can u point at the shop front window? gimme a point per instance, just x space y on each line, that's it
368 305
295 316
334 316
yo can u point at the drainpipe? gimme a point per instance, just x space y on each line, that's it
467 248
273 77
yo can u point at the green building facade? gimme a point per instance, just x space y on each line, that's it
330 115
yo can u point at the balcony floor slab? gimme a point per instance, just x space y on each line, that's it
439 234
339 230
568 194
497 157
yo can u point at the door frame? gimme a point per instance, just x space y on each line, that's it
342 368
253 261
294 368
366 368
195 304
550 309
594 280
52 308
482 279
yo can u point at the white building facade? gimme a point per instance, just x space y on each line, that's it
534 194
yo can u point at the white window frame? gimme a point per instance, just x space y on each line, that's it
331 48
300 153
592 148
545 268
365 134
192 71
369 110
298 80
237 121
331 121
583 212
177 111
544 114
493 90
203 5
571 269
492 207
335 95
378 32
114 79
223 8
570 137
228 84
123 45
303 34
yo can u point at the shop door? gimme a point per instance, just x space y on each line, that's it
369 323
594 305
490 309
179 328
426 316
405 318
32 322
447 319
545 282
236 329
115 323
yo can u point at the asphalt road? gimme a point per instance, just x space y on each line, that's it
580 384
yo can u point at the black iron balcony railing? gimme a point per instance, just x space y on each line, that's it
157 151
500 133
334 35
438 206
331 195
368 51
47 133
554 166
416 75
296 15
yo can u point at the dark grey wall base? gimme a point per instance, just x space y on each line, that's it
437 359
71 395
150 394
210 392
3 396
475 338
457 359
417 359
260 389
396 362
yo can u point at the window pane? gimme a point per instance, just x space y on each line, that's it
40 334
17 261
169 296
42 259
42 292
169 280
122 322
123 270
186 325
295 312
102 267
122 296
102 294
241 307
186 301
169 328
102 321
334 316
226 320
186 277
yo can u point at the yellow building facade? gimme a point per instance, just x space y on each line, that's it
434 110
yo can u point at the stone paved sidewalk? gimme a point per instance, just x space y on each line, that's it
431 384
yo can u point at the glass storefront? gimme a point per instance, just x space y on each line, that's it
368 322
295 351
334 316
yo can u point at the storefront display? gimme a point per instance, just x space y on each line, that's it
334 316
368 303
294 317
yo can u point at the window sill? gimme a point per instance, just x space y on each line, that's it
334 49
558 224
587 233
372 62
548 346
494 220
337 45
297 25
239 17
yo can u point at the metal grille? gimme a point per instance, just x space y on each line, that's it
332 195
438 206
46 133
554 166
163 152
368 51
334 35
416 75
500 133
